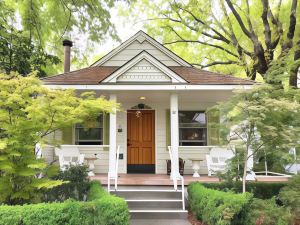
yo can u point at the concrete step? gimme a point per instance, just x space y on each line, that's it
148 194
158 214
157 205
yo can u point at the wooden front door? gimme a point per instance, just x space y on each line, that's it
140 141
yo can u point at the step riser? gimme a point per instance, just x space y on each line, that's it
181 215
155 205
148 195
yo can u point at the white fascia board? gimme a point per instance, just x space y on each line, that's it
144 55
140 37
143 87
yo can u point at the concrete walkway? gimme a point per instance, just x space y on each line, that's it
159 222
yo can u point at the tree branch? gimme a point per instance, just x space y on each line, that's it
216 63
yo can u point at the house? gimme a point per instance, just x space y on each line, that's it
163 98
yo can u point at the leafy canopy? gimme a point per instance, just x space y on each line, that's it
28 113
229 36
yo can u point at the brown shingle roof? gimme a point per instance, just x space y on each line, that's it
197 76
90 75
94 75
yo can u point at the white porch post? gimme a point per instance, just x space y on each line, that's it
112 139
174 134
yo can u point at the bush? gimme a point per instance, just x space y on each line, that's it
104 209
258 189
76 186
265 212
215 207
290 196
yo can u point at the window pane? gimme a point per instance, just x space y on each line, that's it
192 119
192 134
89 134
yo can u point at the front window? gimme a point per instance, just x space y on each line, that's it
192 128
90 133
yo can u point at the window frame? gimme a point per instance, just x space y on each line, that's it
205 128
99 141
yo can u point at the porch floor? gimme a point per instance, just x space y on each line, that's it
161 179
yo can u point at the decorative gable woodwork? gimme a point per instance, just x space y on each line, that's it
144 71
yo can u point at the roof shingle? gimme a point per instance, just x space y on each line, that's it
194 76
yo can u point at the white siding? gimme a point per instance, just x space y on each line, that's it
134 49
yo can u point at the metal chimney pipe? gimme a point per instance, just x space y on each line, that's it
67 53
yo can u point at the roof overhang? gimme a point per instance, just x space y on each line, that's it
133 87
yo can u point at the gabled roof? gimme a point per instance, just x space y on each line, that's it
175 78
141 36
194 76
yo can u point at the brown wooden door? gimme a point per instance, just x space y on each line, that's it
140 141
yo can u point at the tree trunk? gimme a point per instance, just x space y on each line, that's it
245 170
294 70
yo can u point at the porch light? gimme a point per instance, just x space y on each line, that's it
142 98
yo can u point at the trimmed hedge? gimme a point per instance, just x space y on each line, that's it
215 207
260 190
102 208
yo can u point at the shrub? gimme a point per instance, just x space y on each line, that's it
215 207
76 187
104 209
258 189
265 212
290 196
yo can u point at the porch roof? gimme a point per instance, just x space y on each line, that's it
95 75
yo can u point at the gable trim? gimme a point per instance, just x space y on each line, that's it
141 37
175 78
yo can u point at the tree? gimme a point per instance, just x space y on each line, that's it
227 35
262 120
28 113
44 24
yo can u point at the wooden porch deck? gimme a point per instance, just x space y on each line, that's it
161 179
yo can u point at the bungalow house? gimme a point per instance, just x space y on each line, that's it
163 101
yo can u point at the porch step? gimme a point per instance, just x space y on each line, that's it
152 201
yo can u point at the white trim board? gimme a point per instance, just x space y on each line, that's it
145 87
141 37
144 55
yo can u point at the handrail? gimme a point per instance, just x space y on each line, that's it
115 176
176 178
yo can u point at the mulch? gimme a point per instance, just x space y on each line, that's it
193 220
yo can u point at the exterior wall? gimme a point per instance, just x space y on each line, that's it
134 49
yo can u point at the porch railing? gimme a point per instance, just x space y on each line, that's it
114 176
175 176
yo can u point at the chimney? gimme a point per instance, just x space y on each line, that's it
67 49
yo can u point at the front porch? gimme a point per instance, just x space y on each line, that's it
164 180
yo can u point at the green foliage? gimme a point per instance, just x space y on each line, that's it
96 191
105 209
76 185
208 33
215 207
18 53
290 196
266 212
218 207
44 24
262 121
28 113
260 190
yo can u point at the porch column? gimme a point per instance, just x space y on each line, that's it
112 139
174 134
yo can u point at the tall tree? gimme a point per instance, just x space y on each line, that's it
227 35
44 23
